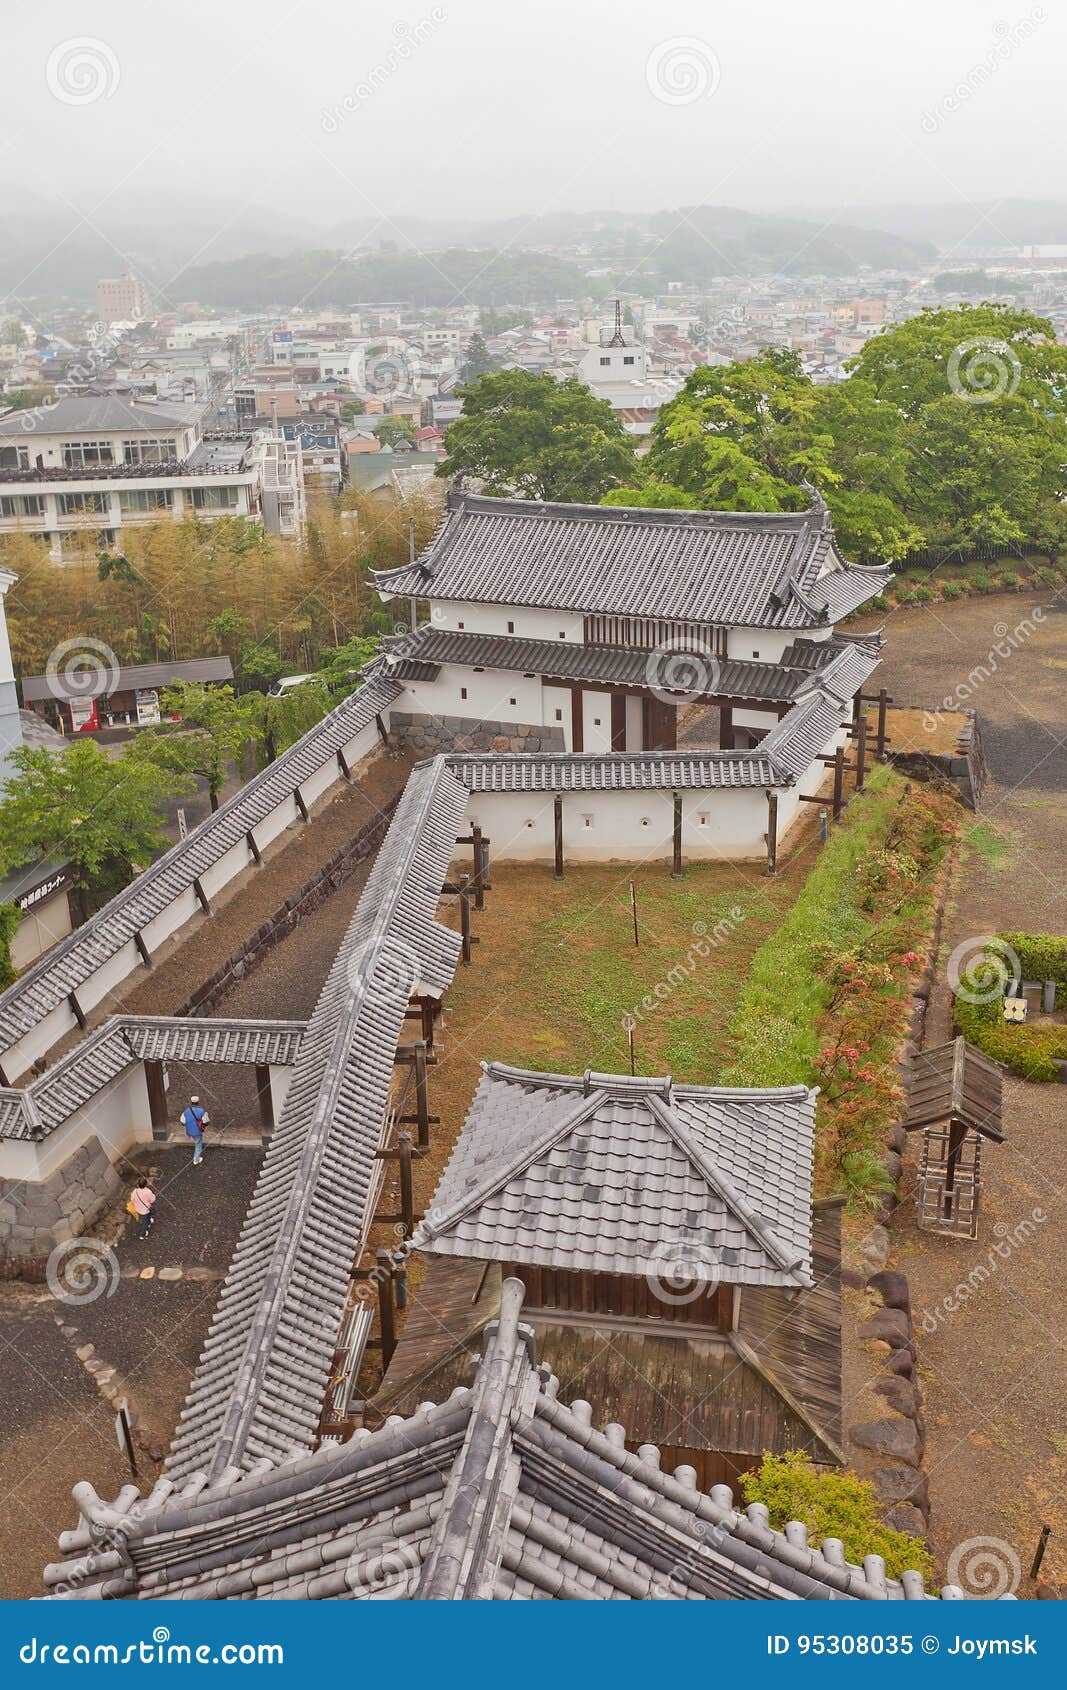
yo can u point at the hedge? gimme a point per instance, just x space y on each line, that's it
1028 1049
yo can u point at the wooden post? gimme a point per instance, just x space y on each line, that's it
839 781
426 1008
407 1189
385 1306
557 813
676 871
883 700
77 1010
633 906
422 1095
726 727
301 806
465 916
633 1052
254 848
479 866
266 1102
142 949
861 750
772 833
342 764
1039 1552
157 1099
201 896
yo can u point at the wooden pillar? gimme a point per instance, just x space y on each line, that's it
383 731
77 1010
386 1317
577 720
422 1095
301 806
201 896
557 815
479 868
883 700
857 706
465 916
157 1099
772 833
407 1188
142 949
726 727
342 764
676 869
426 1006
839 781
266 1102
257 857
861 750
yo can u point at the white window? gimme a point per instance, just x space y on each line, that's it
215 498
14 457
147 499
22 504
83 504
79 453
146 450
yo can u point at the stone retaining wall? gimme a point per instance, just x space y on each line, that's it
431 734
36 1215
965 769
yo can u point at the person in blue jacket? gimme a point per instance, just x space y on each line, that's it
194 1119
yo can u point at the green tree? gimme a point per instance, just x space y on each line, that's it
10 916
478 360
352 408
394 432
539 438
216 727
12 333
833 1504
102 816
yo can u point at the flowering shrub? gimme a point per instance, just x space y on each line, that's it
837 1505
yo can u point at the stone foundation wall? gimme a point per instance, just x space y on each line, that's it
431 734
965 770
35 1216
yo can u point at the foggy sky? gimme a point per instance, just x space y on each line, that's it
505 106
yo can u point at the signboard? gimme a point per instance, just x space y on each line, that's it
183 825
147 707
37 894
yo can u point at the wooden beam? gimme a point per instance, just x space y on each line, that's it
201 896
726 727
383 731
465 917
79 1013
772 833
142 949
861 750
557 828
618 721
342 764
883 700
157 1099
407 1189
422 1095
266 1102
386 1314
676 868
479 888
257 857
301 806
577 720
839 781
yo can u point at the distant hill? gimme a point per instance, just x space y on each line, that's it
984 227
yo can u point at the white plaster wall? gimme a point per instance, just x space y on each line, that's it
622 826
531 622
635 724
596 720
557 699
766 645
118 1116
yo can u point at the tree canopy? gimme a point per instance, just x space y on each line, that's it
538 438
950 432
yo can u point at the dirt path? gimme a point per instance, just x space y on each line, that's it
993 1359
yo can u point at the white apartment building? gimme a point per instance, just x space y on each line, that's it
98 465
121 299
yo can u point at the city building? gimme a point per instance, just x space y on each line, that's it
121 299
10 727
98 465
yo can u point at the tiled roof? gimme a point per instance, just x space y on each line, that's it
108 413
614 771
772 570
608 1174
49 982
138 675
416 656
258 1388
499 1493
34 1111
